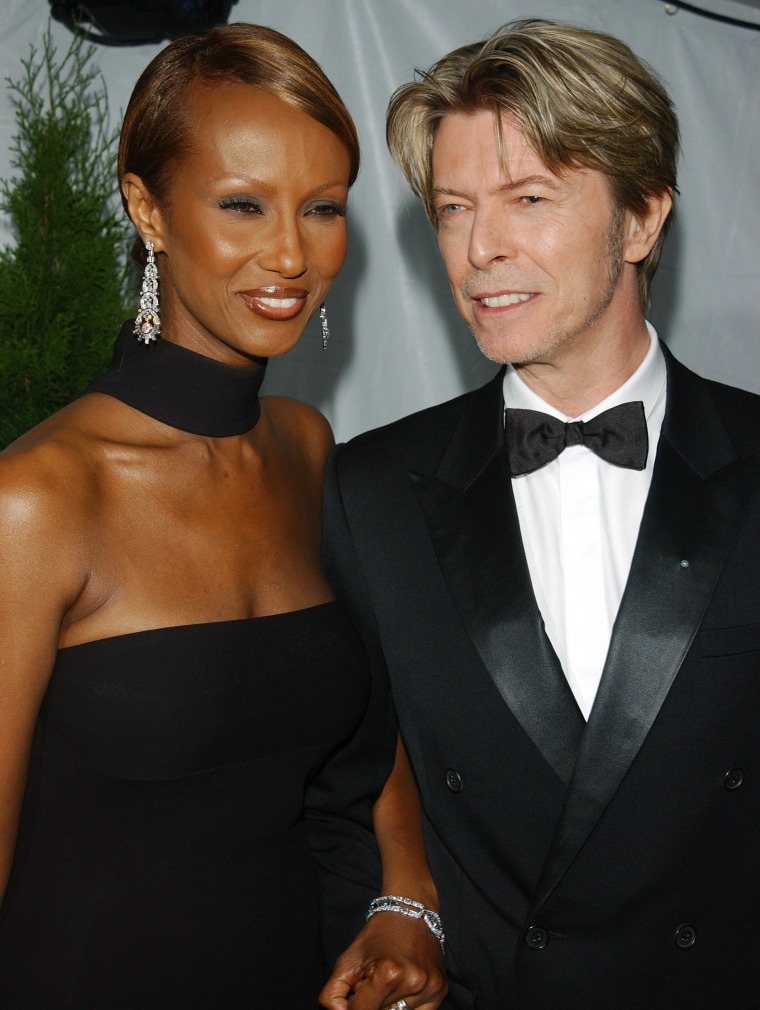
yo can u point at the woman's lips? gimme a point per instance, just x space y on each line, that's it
275 303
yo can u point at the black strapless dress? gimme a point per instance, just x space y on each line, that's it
162 859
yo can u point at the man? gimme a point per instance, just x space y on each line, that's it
572 639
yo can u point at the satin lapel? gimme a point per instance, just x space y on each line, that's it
699 490
470 513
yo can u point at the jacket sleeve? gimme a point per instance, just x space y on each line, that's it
339 801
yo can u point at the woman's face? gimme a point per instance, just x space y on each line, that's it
255 230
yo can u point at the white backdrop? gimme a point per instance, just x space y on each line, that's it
397 342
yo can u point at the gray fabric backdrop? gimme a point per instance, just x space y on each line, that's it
397 342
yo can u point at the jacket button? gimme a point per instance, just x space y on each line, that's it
453 780
536 938
733 778
685 936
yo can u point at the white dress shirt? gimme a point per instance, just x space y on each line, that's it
579 519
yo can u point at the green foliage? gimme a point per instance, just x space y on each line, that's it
63 285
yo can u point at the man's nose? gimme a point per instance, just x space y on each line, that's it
491 238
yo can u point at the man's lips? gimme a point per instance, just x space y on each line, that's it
503 300
275 303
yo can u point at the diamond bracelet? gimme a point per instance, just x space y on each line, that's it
411 908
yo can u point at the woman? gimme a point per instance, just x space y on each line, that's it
179 692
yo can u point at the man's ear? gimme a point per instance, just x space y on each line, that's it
642 232
143 210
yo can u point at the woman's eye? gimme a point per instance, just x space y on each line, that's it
243 204
532 200
328 209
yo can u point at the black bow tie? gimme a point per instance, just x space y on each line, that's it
618 435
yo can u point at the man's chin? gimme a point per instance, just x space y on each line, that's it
504 351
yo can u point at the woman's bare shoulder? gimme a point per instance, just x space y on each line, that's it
301 426
50 474
48 525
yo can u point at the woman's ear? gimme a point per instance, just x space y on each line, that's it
642 232
143 210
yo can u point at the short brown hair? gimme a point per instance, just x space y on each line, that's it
582 98
154 135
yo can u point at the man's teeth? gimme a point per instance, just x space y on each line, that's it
279 303
499 301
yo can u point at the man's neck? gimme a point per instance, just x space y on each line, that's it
588 372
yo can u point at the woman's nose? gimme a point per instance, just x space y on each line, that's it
285 252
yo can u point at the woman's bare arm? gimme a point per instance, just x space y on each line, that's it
39 578
394 956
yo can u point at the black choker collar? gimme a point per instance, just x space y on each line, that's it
181 388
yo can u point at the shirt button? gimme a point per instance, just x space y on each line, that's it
536 938
685 936
733 778
453 780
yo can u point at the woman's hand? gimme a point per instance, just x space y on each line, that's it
394 957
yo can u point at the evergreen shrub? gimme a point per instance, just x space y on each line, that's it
64 281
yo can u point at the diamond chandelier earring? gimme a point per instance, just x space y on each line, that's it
148 322
323 324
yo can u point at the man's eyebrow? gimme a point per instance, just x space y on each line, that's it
506 187
530 180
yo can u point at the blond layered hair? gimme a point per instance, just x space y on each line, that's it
582 99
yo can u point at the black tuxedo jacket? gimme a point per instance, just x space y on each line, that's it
614 864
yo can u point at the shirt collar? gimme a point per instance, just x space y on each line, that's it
646 384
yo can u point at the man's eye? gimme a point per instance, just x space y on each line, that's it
532 200
447 209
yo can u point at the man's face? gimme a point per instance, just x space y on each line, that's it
536 261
